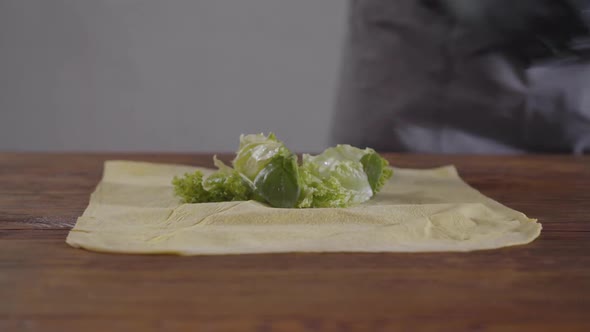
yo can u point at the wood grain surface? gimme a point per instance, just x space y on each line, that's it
45 285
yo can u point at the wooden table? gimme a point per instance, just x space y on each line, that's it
45 285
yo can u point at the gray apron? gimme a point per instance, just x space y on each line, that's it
409 84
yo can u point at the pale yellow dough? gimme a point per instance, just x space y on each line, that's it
133 210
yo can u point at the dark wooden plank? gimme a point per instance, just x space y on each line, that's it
544 284
47 286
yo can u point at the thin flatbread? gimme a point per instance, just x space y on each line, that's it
134 210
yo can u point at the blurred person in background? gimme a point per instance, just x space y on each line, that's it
466 76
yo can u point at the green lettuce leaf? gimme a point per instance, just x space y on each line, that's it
224 185
266 171
318 192
343 164
227 184
278 182
271 168
190 188
377 169
345 174
257 151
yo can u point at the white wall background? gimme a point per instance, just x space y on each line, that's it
180 75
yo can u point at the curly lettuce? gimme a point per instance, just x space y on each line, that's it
265 170
225 184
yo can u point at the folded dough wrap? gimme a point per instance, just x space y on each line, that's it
134 210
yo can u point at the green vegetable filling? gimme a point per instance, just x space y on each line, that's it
266 171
